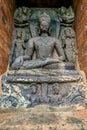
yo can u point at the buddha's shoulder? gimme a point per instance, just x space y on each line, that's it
43 38
34 38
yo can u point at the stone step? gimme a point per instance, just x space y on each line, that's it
42 79
51 72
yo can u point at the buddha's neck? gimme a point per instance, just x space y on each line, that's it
44 34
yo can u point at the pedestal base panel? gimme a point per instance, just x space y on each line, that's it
29 95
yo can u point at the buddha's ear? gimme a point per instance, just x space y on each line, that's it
39 31
50 31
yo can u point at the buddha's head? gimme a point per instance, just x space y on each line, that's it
44 22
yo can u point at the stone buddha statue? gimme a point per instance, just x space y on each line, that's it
38 76
44 46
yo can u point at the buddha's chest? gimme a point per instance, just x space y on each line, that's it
44 42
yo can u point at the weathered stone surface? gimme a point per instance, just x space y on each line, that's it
42 79
30 90
44 72
80 27
43 39
45 78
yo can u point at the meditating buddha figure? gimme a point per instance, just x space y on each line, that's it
44 46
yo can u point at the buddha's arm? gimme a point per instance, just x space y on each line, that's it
30 50
59 49
19 60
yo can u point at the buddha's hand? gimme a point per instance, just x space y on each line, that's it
61 58
18 62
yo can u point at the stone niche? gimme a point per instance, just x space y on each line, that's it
43 60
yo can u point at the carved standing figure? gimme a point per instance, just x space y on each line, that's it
18 46
69 43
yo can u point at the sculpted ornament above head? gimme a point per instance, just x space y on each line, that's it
44 46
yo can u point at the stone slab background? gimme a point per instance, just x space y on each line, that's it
7 8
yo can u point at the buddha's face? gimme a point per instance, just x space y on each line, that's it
44 25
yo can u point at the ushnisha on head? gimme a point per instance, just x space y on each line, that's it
44 21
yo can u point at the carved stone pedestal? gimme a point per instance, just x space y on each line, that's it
42 86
